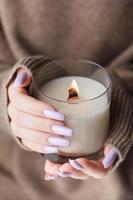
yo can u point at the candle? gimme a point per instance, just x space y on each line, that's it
85 104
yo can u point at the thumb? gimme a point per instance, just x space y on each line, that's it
107 149
111 154
23 78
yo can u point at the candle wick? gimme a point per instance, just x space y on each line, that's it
72 94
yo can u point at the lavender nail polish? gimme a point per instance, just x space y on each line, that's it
53 114
46 177
110 157
54 177
75 164
20 79
51 177
62 130
63 174
59 141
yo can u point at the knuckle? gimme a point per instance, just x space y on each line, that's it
16 116
12 112
13 96
9 109
11 92
14 127
17 130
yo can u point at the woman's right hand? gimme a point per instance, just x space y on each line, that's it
39 126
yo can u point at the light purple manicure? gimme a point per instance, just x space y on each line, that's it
51 177
20 79
63 174
59 141
110 157
49 149
75 164
53 114
62 130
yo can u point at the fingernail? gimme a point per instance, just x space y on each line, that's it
51 177
46 177
62 130
59 141
75 164
48 149
110 157
53 114
20 79
63 174
54 177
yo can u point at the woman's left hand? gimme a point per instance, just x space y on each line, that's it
82 168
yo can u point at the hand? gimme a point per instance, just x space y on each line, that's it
40 127
82 168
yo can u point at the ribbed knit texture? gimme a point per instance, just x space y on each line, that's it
121 124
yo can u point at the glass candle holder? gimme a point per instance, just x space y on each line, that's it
80 89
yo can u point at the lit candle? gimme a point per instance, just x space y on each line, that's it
85 105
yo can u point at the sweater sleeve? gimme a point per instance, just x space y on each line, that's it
121 124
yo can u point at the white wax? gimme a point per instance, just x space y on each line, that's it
89 118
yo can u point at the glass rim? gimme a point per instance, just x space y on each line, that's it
76 60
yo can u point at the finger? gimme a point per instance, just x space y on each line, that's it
92 168
32 136
48 166
38 137
30 123
38 123
54 169
66 170
51 169
107 149
111 154
23 78
18 95
23 102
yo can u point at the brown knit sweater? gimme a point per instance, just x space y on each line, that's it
32 32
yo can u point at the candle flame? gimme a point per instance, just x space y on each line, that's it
73 89
74 86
